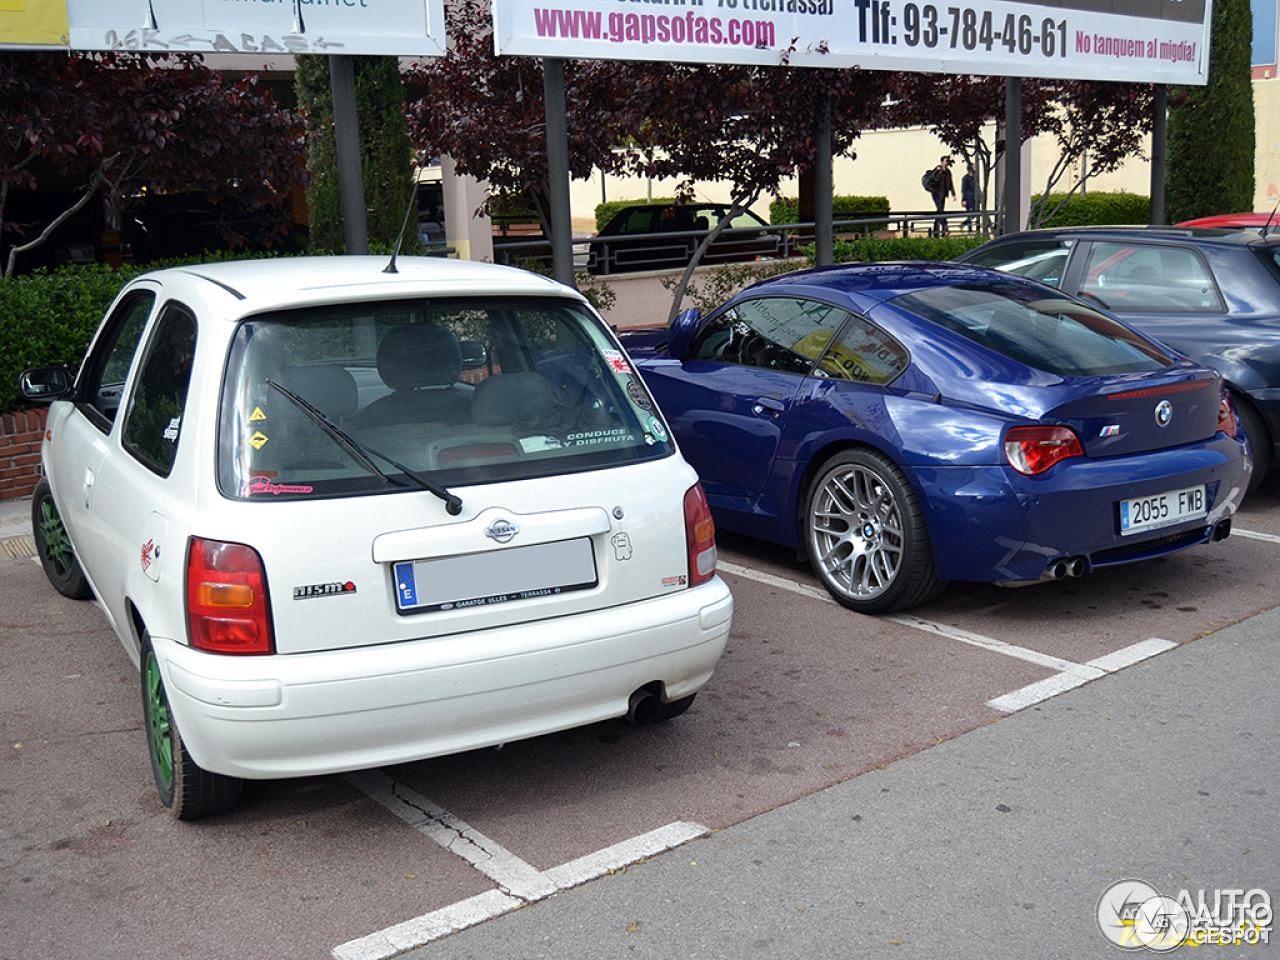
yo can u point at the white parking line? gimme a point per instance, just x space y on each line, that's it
1069 674
1254 535
519 883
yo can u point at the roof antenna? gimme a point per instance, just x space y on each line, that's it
413 199
1266 227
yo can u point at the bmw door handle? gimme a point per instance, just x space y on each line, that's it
769 404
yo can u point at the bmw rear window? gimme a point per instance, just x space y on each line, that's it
1031 325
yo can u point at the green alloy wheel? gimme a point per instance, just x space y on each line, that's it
186 789
53 546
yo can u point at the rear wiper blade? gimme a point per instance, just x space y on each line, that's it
363 453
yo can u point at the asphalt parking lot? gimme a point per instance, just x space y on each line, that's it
808 698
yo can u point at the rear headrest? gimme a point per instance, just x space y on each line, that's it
419 355
511 398
331 390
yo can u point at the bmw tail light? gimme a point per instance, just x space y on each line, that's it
700 535
227 606
1033 450
1227 416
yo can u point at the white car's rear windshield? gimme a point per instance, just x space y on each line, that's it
461 391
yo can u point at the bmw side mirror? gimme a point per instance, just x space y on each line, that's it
45 384
680 333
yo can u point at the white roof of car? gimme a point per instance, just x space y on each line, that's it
287 281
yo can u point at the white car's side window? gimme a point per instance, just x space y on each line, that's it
154 422
107 367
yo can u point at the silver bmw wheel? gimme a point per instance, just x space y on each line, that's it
866 535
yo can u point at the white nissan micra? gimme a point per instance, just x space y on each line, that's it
344 515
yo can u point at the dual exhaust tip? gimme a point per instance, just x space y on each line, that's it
1066 567
1078 566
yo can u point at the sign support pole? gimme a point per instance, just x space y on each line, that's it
1014 217
346 131
558 169
1159 138
823 190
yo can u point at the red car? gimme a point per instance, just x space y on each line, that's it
1245 221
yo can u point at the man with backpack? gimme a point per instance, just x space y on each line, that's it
940 186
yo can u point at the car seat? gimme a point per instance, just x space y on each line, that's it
422 364
512 399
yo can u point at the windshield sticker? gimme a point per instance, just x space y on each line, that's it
591 437
639 396
657 429
257 415
171 431
617 362
258 485
621 546
258 440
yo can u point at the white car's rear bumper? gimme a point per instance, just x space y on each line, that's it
310 714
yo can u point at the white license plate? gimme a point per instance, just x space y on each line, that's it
498 576
1162 510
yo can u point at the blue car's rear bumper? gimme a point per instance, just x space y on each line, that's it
994 524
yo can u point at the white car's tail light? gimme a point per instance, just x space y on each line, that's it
227 605
700 535
1033 450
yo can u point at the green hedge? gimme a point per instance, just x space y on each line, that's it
871 249
787 210
1103 209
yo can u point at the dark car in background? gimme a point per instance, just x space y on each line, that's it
638 238
1210 294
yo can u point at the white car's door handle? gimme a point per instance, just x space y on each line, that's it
88 486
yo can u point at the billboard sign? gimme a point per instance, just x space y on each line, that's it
405 28
33 24
1154 41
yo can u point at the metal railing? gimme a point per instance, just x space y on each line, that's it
658 251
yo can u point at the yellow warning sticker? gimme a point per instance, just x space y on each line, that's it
258 440
257 414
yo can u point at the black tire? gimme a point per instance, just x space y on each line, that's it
865 535
1255 429
57 556
187 790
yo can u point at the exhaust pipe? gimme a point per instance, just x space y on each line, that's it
1065 567
642 709
1222 531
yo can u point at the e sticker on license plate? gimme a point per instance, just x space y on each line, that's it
497 576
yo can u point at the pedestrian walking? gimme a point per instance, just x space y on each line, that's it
968 195
943 187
